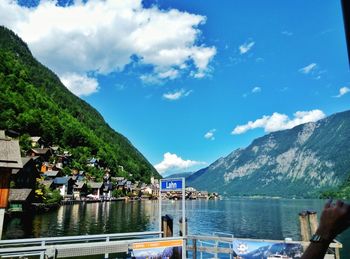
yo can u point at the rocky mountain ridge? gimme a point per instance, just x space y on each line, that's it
299 162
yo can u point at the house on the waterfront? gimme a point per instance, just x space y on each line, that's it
20 199
204 195
80 190
147 190
26 176
121 185
96 188
155 190
10 159
107 190
64 185
136 191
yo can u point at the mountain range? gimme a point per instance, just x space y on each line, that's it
298 162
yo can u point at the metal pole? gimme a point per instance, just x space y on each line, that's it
107 255
42 254
194 254
184 234
160 208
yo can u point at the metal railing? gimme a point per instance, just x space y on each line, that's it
71 246
207 245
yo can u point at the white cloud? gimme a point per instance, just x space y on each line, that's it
171 74
80 85
102 36
342 91
210 134
244 48
256 89
278 121
173 96
308 68
172 162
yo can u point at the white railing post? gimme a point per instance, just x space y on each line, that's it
42 254
106 255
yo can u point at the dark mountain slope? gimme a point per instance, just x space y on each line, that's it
34 101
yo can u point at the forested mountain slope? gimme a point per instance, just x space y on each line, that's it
33 101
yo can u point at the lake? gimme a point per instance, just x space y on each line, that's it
246 218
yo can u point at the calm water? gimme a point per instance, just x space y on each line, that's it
249 218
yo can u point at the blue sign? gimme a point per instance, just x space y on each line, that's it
171 185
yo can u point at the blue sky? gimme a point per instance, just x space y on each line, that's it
178 77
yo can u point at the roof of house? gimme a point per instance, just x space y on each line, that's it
36 157
15 171
47 183
35 139
61 180
10 155
51 173
92 160
19 194
117 178
25 160
40 151
95 185
122 183
79 185
59 165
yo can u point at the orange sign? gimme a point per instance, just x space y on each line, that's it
4 188
157 244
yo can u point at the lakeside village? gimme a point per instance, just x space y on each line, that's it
44 183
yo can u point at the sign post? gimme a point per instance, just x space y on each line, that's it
170 185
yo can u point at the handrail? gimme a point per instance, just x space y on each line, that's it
75 239
335 244
80 249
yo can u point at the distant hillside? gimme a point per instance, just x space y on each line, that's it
300 162
34 101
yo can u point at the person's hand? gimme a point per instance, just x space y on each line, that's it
335 218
